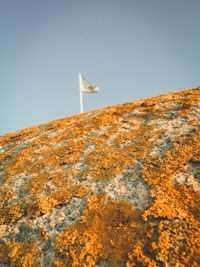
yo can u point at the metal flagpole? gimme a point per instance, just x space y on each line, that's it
81 96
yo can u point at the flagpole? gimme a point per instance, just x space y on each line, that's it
81 96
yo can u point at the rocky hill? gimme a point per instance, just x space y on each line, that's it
118 186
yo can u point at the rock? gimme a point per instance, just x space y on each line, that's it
119 186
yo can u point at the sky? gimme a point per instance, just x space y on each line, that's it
131 49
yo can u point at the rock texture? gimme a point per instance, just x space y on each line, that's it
119 186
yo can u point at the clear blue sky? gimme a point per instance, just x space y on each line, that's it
132 49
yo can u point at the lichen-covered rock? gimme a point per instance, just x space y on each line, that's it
119 186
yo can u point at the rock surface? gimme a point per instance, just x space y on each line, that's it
119 186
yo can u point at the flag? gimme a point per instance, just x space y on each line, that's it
86 86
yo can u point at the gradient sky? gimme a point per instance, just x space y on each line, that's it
132 49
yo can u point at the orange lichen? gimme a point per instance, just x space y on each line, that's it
45 204
178 241
19 254
37 184
52 159
10 213
110 161
136 257
5 195
157 172
43 234
106 230
40 206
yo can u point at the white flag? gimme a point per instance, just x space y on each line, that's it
87 87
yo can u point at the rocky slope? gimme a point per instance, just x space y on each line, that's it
119 186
